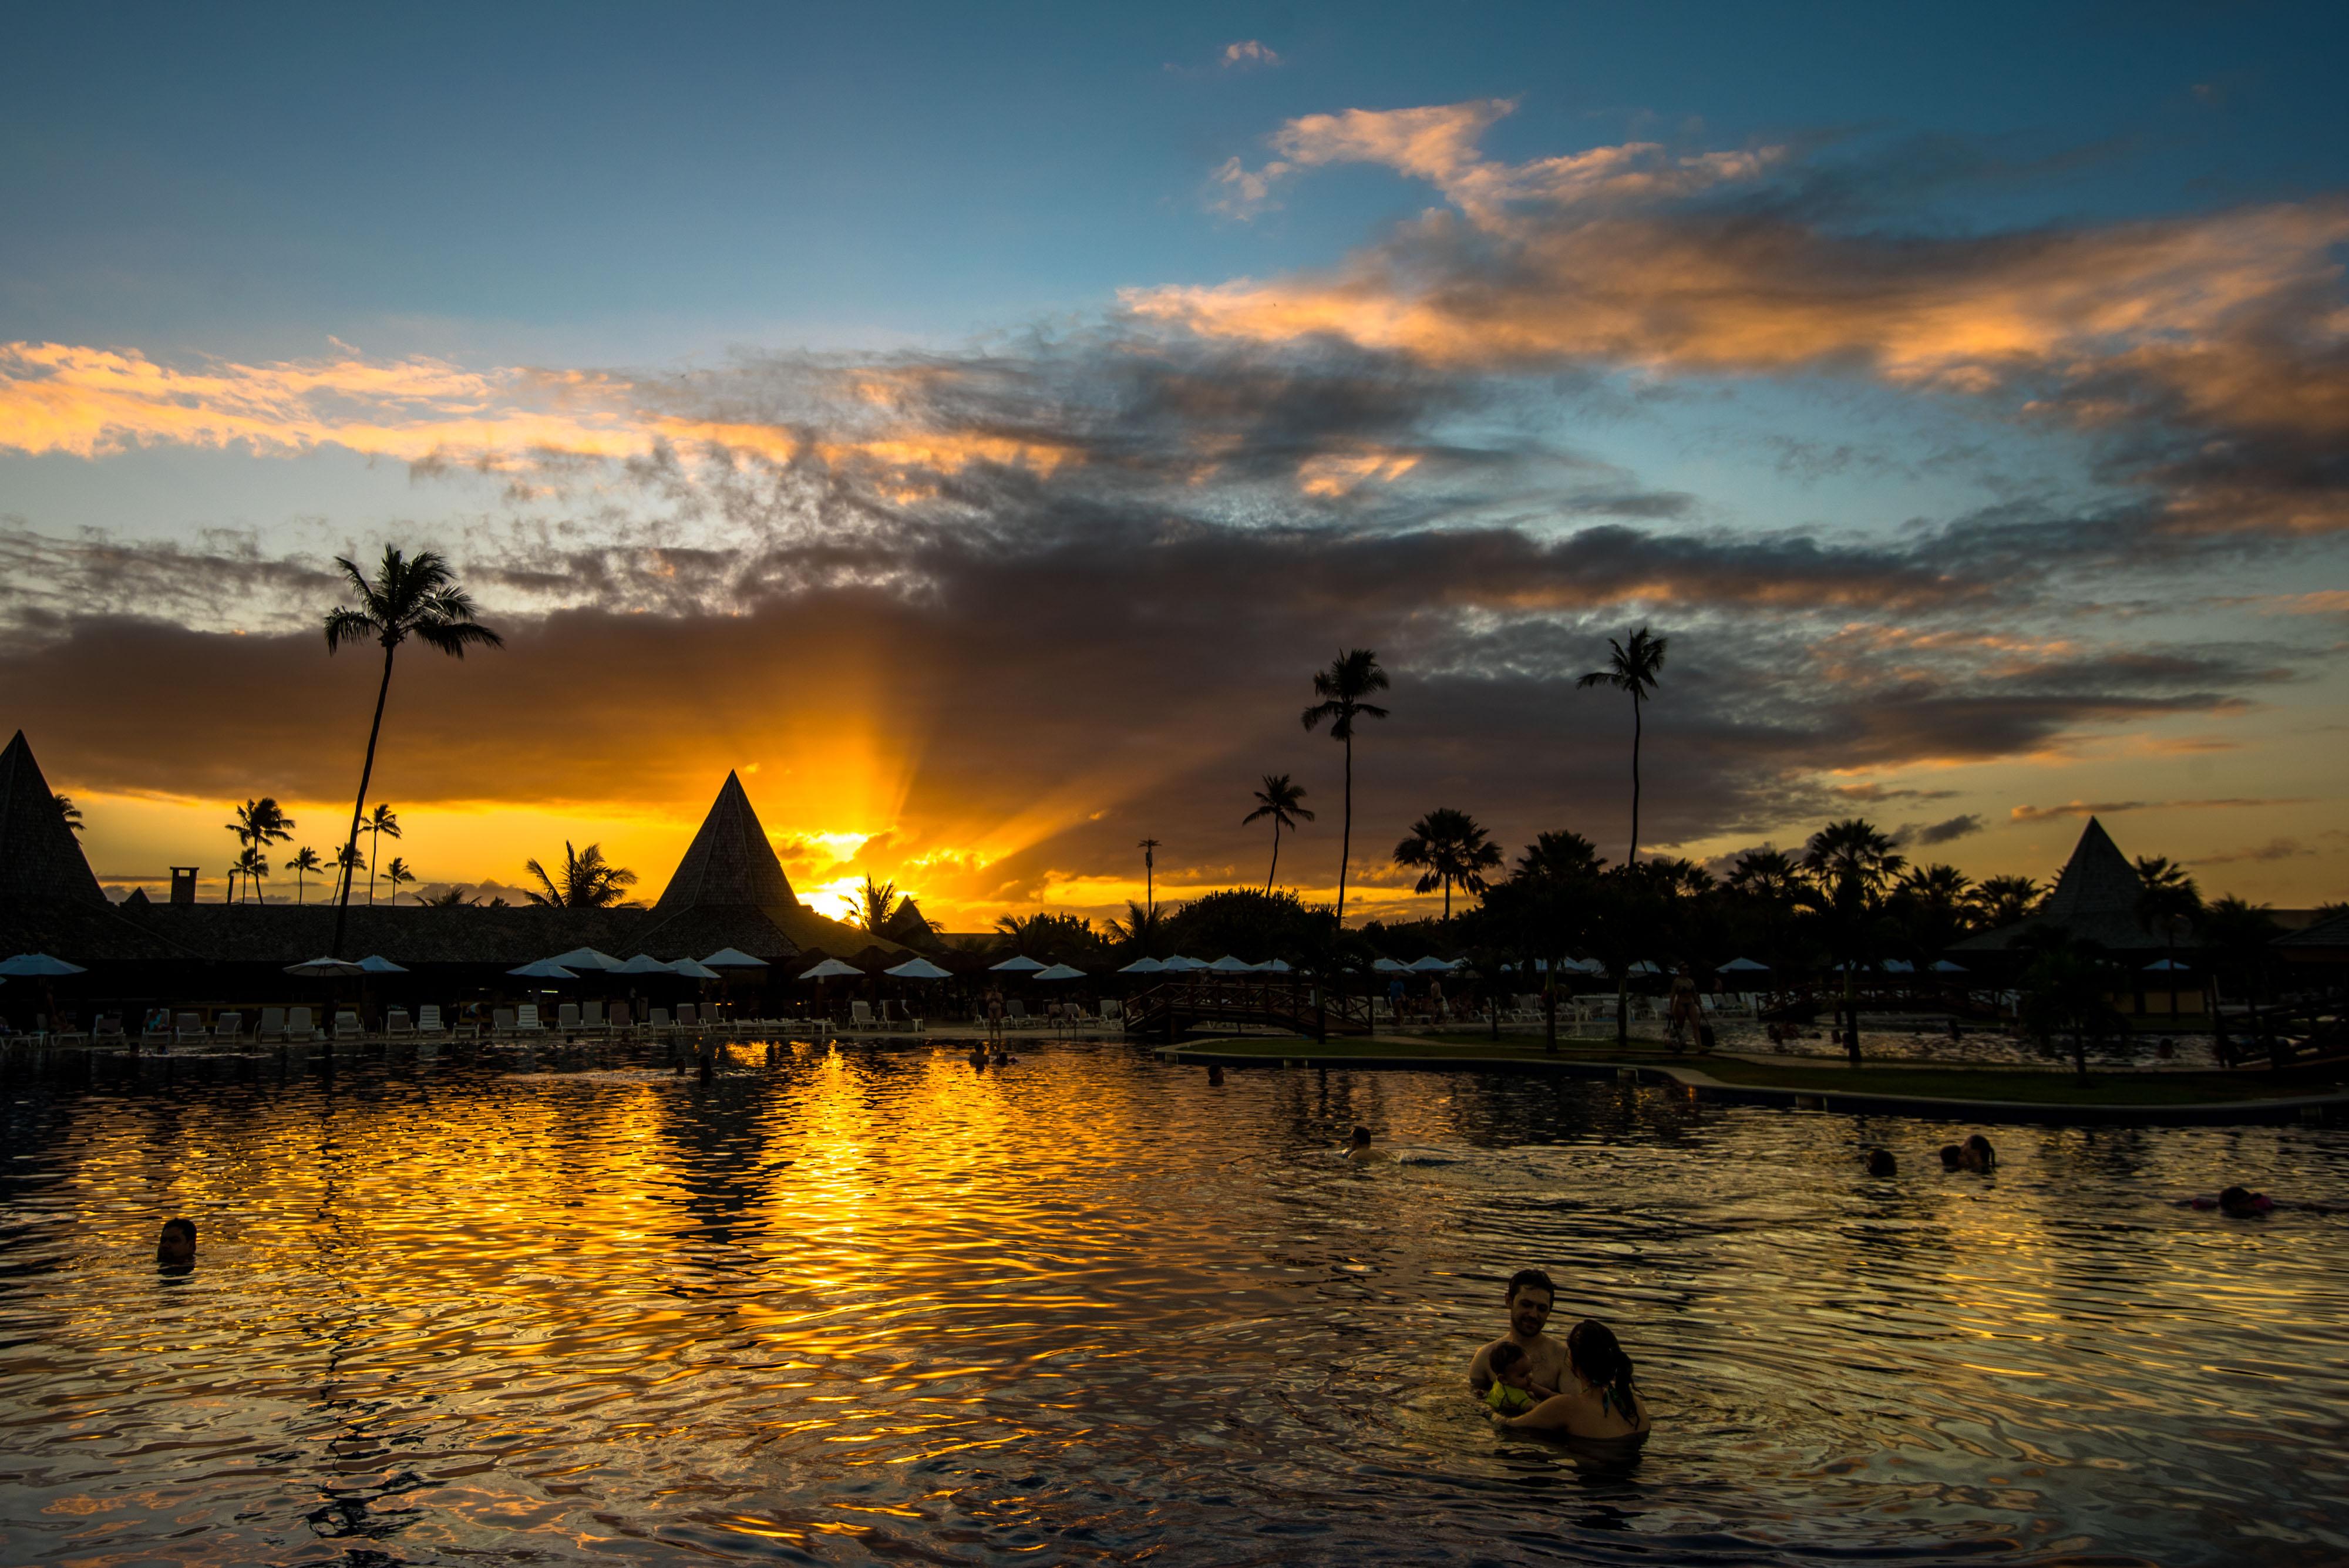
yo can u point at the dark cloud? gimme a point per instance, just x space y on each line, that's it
1943 832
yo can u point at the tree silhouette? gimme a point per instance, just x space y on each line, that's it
2167 900
382 823
259 823
304 865
68 813
588 880
1283 802
1633 666
872 906
1449 849
396 874
407 597
253 867
1999 902
1854 866
1352 676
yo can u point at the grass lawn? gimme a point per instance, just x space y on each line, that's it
2035 1087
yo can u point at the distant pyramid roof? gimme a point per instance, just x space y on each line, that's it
728 862
2097 880
40 860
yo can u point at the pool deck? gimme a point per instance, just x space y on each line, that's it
1704 1088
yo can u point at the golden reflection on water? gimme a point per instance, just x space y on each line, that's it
842 1306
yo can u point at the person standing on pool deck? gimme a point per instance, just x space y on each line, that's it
1529 1298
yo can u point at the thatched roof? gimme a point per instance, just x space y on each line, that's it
729 892
41 862
2095 899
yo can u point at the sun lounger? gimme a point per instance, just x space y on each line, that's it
188 1028
591 1015
566 1017
347 1026
620 1022
658 1020
227 1029
860 1016
396 1024
502 1021
428 1022
1112 1013
685 1016
273 1026
1014 1014
526 1019
299 1026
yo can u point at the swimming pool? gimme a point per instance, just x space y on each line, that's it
846 1307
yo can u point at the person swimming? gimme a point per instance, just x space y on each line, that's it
2235 1203
176 1248
1881 1163
1359 1149
1952 1157
1978 1155
1214 1075
1599 1401
1514 1391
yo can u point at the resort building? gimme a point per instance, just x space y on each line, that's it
2096 900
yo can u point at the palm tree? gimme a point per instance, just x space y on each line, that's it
2167 899
68 813
1853 865
253 868
304 864
1283 802
1149 848
397 873
1559 856
1634 667
259 823
1448 847
406 598
874 906
452 897
348 862
1351 676
2003 901
589 881
2236 934
1767 874
382 823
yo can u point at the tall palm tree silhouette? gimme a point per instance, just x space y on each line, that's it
304 865
1449 849
1149 848
382 823
253 866
2166 899
407 597
1351 676
259 823
1283 802
1632 666
1854 865
398 875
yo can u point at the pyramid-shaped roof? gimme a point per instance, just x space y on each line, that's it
2097 880
41 862
728 862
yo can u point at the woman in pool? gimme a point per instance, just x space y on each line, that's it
1599 1400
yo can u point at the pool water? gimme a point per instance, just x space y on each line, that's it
849 1307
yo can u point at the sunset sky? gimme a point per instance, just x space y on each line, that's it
975 426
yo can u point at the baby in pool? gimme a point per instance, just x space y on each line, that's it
1513 1390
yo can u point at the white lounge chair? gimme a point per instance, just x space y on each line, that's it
397 1025
1112 1013
658 1020
687 1018
347 1026
273 1026
1014 1014
188 1028
502 1021
860 1016
526 1019
591 1014
566 1017
620 1023
227 1029
109 1031
299 1024
428 1022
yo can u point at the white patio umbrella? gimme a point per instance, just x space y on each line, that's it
692 970
376 963
545 969
585 958
832 968
38 966
1744 966
1060 971
1228 964
1390 966
1144 965
1431 964
1273 966
1943 966
1185 965
1898 966
643 964
919 969
732 958
325 969
2165 966
1017 963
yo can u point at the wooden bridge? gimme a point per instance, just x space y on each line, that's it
1269 1000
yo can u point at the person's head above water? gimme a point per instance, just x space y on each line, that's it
1598 1360
1529 1297
1979 1155
1952 1156
1361 1137
177 1245
1509 1364
2244 1203
1880 1162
